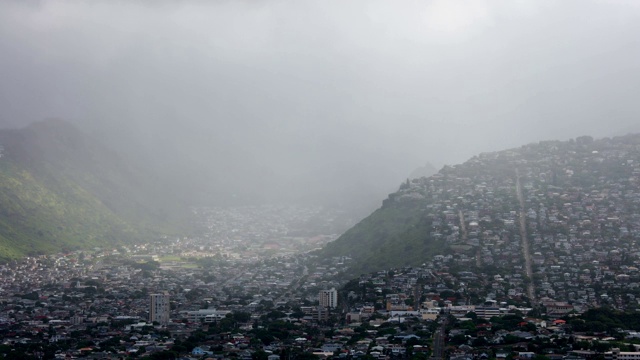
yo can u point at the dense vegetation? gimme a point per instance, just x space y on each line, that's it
397 234
61 190
605 320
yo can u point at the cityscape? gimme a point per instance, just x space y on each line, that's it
320 180
539 260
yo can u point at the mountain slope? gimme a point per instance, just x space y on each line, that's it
474 208
398 230
60 189
398 233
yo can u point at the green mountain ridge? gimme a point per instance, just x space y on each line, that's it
62 190
394 235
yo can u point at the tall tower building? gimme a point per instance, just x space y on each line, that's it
328 298
159 308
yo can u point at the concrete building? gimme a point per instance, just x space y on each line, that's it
328 298
207 315
159 308
616 354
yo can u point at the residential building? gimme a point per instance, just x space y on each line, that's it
159 308
328 298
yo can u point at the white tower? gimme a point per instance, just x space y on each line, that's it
328 298
159 308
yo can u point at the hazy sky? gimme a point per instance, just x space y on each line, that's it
322 97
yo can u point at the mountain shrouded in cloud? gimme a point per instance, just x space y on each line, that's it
485 210
62 190
318 101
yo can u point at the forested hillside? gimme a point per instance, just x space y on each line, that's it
61 189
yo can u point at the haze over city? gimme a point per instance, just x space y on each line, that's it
307 180
319 101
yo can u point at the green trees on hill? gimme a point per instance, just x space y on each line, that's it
61 190
605 320
397 234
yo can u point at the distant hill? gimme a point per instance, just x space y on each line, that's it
60 190
423 171
469 207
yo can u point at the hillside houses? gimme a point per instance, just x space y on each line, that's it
581 206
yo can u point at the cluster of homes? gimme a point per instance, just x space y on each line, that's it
414 300
253 232
79 302
98 305
531 235
552 221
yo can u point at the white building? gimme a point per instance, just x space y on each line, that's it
616 354
328 298
159 308
207 315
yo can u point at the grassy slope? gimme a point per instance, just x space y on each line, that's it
36 219
394 235
59 190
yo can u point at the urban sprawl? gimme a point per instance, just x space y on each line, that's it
536 237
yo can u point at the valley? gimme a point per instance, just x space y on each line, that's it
543 234
320 180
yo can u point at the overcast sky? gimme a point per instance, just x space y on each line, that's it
321 97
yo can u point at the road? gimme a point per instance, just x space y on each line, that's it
463 228
439 342
294 285
417 295
526 250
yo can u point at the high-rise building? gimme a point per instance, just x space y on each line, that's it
328 298
159 308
